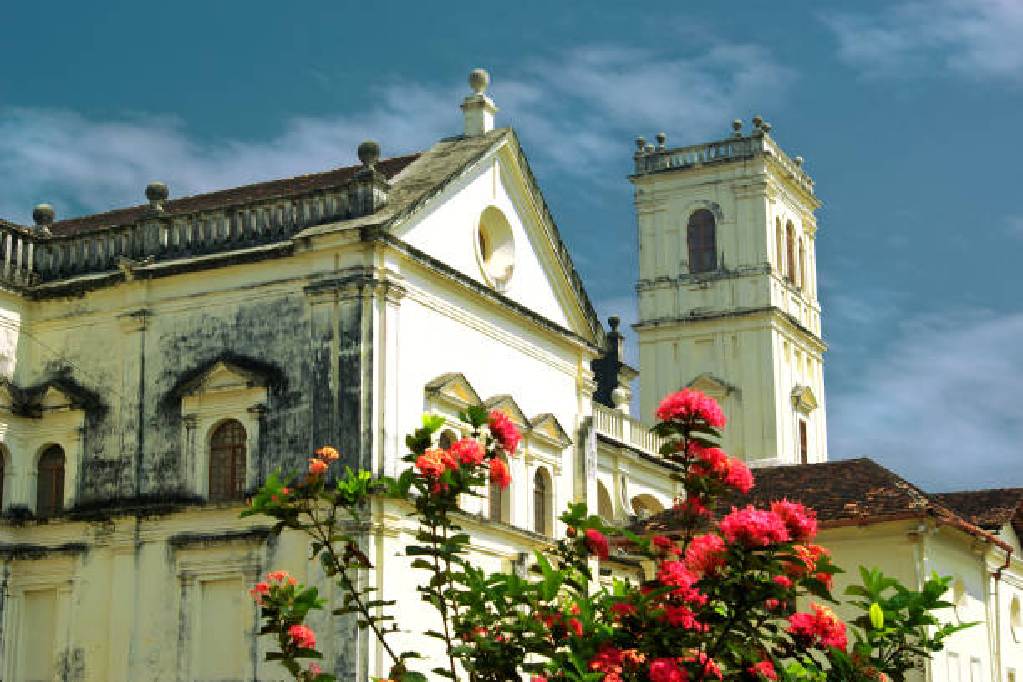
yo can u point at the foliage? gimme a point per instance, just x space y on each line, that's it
717 601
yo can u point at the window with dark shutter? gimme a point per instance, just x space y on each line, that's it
541 491
803 454
227 462
790 252
50 482
702 242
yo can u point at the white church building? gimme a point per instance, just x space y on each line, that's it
157 362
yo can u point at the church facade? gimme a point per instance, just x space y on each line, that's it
159 361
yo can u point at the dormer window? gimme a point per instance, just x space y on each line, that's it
702 242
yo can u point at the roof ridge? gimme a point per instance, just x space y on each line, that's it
248 185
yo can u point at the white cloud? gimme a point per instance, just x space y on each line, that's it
942 406
975 38
577 112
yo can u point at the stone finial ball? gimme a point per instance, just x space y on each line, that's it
43 214
640 143
758 121
766 127
737 125
799 161
157 191
369 152
661 139
613 322
479 79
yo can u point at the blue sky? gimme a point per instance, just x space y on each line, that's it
906 111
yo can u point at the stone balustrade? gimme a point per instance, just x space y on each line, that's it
651 160
624 429
18 248
31 257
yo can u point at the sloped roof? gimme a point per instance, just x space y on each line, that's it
235 196
843 492
989 509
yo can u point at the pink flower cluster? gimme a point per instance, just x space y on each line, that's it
468 451
753 527
800 521
302 636
504 431
691 406
705 554
597 543
715 462
274 580
822 626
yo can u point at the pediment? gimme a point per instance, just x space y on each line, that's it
712 386
803 399
453 388
492 226
547 428
505 403
224 376
54 399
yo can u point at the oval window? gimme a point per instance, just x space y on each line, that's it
495 247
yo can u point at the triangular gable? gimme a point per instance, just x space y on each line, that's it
505 403
446 231
803 399
223 376
547 428
55 400
713 386
454 389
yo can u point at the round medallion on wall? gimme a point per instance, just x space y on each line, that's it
495 247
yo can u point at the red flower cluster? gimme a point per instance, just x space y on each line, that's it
468 451
504 431
763 670
667 670
689 405
274 580
596 542
613 662
674 574
434 462
705 554
753 527
715 462
324 456
800 521
499 474
302 636
807 558
822 626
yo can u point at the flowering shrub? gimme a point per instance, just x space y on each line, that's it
718 603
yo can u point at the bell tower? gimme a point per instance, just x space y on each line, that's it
728 289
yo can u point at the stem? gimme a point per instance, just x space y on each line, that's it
342 569
443 601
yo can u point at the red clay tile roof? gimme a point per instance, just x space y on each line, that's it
843 492
990 509
230 197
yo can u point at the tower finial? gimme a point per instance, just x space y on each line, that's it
478 109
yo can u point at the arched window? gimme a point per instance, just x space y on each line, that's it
604 507
497 503
542 502
3 473
447 439
790 252
802 265
779 245
50 482
227 462
703 255
645 506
